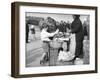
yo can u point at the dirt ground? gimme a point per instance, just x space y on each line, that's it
34 52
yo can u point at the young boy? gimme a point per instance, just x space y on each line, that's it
45 39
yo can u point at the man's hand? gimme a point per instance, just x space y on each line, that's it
69 31
57 31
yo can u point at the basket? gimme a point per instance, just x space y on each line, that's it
55 44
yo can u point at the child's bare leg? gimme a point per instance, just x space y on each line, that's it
46 47
45 54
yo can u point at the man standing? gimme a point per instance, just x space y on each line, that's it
77 29
27 31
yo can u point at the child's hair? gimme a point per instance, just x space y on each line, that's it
67 44
61 49
44 25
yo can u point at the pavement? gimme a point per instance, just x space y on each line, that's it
34 52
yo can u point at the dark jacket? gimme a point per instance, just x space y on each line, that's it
77 28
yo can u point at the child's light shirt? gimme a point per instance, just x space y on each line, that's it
45 35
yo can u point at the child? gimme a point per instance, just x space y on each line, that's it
45 39
65 53
32 33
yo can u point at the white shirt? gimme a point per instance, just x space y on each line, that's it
45 35
65 56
